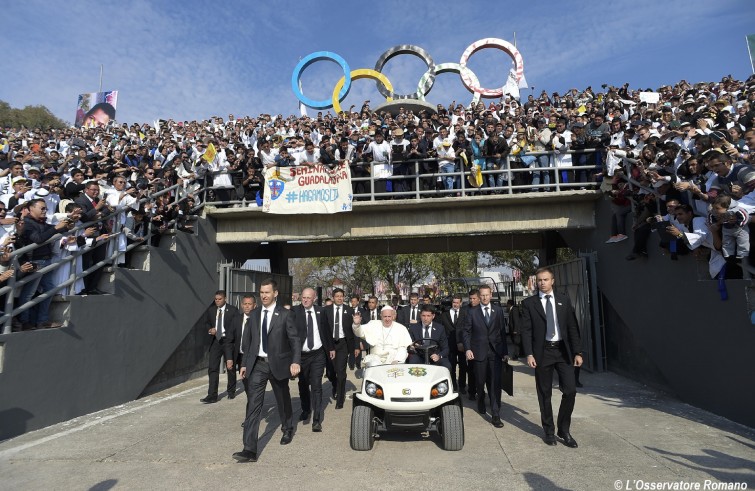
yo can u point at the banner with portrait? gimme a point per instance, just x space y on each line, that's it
304 189
96 109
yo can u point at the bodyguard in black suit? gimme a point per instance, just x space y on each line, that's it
551 340
428 329
220 322
248 303
450 320
272 352
409 315
372 310
485 343
361 344
317 347
92 209
339 319
474 301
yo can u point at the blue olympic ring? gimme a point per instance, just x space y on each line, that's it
468 78
308 60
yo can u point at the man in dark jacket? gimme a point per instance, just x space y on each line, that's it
220 322
36 230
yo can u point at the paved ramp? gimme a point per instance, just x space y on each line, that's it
626 432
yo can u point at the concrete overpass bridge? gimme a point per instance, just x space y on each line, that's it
445 224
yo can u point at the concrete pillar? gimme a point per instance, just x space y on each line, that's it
278 259
551 242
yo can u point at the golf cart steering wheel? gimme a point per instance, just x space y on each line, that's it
427 345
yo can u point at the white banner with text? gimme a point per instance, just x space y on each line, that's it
316 189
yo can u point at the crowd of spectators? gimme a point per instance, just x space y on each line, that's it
681 165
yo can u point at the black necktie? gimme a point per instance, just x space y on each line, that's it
427 332
414 314
219 325
453 317
310 331
243 328
550 319
374 315
264 331
337 330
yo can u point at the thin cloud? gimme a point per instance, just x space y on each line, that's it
195 59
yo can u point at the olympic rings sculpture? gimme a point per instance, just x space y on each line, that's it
384 86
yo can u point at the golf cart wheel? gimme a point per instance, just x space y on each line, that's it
452 427
362 436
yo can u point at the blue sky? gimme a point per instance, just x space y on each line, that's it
193 59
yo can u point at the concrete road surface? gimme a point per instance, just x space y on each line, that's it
630 438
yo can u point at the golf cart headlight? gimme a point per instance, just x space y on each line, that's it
373 390
439 390
370 388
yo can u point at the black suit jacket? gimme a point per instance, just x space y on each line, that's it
300 320
230 319
534 326
404 315
348 321
463 313
363 311
283 343
88 212
449 325
365 319
437 332
368 313
482 338
238 324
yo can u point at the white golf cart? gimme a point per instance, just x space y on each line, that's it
407 397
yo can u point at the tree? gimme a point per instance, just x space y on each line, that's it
525 260
29 117
452 265
400 271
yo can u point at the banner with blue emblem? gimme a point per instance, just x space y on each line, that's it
310 189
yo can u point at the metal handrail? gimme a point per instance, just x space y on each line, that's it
465 189
13 284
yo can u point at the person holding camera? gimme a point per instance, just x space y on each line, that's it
561 141
733 219
36 230
93 209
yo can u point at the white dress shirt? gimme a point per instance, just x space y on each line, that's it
340 321
315 331
543 301
270 314
219 320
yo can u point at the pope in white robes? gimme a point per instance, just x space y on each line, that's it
388 339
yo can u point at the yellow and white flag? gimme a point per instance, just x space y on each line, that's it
210 154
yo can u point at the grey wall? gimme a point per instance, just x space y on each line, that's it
113 345
666 325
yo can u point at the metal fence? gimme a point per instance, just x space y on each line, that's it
510 178
577 279
237 282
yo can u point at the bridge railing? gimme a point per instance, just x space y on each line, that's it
419 184
505 180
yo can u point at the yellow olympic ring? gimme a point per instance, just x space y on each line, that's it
356 75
